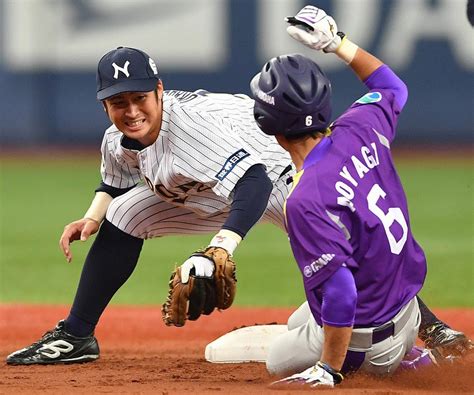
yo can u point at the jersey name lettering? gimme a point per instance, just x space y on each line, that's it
361 166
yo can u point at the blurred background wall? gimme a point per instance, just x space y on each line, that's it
49 50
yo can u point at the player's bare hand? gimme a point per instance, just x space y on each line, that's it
77 230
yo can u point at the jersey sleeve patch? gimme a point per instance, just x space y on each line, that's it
371 97
230 163
317 264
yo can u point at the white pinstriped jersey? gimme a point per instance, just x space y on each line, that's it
206 144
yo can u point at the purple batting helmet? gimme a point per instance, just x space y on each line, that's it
292 96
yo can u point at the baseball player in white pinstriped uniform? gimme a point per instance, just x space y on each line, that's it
172 163
206 144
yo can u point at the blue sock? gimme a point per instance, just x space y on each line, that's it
78 327
109 263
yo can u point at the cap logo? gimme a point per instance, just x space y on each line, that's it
153 66
123 69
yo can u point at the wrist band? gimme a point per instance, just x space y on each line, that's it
338 377
98 207
227 240
347 50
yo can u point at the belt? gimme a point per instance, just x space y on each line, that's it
363 338
383 332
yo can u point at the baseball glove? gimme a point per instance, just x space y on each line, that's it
201 295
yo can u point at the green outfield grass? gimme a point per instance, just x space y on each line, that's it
38 197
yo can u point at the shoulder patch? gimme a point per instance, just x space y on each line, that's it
231 162
371 97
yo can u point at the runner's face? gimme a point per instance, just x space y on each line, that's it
137 114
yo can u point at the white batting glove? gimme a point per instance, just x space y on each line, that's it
314 28
203 267
313 377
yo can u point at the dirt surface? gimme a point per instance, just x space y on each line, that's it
139 355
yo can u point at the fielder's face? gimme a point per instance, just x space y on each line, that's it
137 114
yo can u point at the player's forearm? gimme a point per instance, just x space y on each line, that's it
372 71
339 300
98 207
249 201
336 342
362 62
248 205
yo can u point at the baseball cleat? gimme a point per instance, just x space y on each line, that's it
57 346
444 341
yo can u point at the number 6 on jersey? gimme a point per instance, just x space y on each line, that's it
393 214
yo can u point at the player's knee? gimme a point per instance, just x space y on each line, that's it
281 359
273 363
299 317
122 216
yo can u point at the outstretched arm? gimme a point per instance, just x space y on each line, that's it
317 30
206 280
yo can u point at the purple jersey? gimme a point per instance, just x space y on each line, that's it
347 206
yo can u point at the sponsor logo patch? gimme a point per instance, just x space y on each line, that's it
230 163
317 264
371 97
307 271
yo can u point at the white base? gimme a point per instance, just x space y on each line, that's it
248 344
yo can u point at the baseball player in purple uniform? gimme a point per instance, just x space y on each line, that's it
177 162
346 214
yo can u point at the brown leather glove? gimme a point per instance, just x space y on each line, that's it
201 295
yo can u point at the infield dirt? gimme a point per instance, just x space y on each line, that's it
140 355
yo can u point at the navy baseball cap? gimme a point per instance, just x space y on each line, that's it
125 70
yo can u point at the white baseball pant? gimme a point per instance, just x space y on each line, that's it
375 350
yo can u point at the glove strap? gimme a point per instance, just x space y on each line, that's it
337 376
296 22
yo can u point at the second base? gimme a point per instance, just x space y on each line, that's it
248 344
